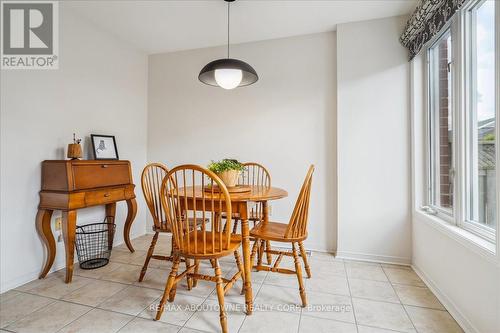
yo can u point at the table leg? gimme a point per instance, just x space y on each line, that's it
45 232
69 231
247 265
265 215
111 212
132 211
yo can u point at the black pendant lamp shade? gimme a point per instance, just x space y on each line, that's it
228 73
207 74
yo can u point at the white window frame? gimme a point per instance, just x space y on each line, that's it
461 134
445 214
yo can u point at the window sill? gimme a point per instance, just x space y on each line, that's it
477 244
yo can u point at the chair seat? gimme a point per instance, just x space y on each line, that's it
273 231
195 249
193 224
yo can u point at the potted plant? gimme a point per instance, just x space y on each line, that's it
228 170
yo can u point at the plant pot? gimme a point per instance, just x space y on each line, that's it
229 178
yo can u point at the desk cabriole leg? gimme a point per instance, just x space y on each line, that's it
69 232
45 232
132 211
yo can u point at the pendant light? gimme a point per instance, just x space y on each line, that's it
228 73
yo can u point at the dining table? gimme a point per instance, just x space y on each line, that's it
241 201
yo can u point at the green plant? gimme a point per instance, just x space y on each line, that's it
225 165
489 137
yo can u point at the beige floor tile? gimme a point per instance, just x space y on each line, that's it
50 318
418 296
376 290
154 278
432 321
139 325
328 284
322 267
125 273
326 306
368 329
283 280
96 273
202 289
189 330
315 255
402 276
94 293
98 321
55 287
366 271
127 257
275 322
131 300
177 312
9 294
16 305
382 315
278 298
207 319
316 325
396 266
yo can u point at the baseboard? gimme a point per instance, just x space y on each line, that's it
374 258
32 276
466 325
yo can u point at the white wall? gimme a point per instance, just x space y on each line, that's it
464 276
373 142
286 121
101 87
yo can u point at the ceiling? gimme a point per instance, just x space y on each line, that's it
166 26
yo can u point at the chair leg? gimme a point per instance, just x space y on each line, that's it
212 262
189 279
148 257
269 255
220 296
298 271
240 268
254 251
196 269
260 253
170 283
172 246
304 258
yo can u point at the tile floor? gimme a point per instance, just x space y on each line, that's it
344 296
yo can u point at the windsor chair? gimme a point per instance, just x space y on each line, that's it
199 193
295 232
151 180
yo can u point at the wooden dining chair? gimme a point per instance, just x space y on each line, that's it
199 192
151 180
295 232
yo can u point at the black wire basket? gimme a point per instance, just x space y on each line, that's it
94 243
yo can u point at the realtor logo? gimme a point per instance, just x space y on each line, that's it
29 35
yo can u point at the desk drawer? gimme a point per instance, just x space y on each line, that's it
92 175
102 197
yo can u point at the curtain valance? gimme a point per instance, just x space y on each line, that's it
426 21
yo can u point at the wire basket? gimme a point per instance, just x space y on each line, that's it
94 243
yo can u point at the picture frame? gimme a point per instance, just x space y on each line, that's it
104 147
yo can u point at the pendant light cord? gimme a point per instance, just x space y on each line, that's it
228 12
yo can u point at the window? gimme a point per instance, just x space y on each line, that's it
481 126
441 172
463 96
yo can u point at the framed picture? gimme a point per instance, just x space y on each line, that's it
104 147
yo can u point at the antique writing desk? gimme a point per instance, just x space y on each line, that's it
74 184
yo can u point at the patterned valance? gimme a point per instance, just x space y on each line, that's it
426 21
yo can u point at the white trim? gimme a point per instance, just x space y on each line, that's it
374 258
475 243
461 319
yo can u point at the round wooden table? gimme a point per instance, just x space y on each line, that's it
240 204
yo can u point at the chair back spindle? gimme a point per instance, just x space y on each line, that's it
191 191
151 180
297 227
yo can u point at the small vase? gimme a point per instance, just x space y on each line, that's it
229 178
74 151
